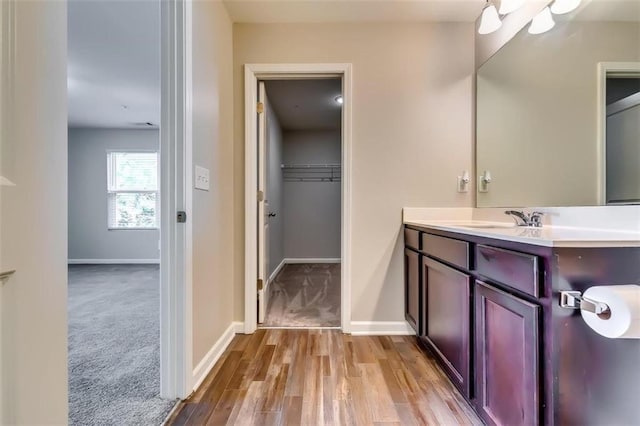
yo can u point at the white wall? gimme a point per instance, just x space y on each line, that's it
33 214
537 113
312 209
212 211
412 134
89 236
274 194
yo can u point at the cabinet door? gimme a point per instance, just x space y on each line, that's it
448 319
412 288
507 386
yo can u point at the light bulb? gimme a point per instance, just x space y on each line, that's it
339 99
542 22
490 20
508 6
560 7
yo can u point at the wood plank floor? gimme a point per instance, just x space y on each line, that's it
324 377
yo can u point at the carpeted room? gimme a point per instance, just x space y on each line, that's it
114 283
114 345
113 213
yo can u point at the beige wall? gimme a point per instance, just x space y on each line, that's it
412 134
33 216
537 113
213 217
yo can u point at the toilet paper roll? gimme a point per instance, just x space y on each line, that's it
624 304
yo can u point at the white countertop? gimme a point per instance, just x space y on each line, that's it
549 236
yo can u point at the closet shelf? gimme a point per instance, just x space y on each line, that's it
4 275
311 172
310 166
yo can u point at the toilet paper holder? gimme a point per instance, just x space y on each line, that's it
575 300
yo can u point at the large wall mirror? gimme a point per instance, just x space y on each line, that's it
558 113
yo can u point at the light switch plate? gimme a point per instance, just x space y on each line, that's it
202 178
463 183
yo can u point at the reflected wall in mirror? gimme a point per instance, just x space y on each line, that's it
622 132
546 131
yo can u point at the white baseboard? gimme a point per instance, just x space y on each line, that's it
381 328
206 364
275 272
311 260
238 327
112 261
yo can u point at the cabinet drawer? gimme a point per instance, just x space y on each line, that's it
412 238
511 268
453 251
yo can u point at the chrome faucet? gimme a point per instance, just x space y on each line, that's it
533 219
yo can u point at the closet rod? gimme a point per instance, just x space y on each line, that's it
309 166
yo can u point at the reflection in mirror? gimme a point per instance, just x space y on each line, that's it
622 137
558 113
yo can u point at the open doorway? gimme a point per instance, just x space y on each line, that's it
299 171
622 136
619 131
300 145
114 213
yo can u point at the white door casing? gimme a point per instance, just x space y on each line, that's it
605 68
262 202
252 74
175 184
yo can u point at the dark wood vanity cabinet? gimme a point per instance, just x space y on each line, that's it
446 300
412 288
488 309
412 279
506 358
477 314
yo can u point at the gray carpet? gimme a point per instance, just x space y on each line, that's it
305 295
114 345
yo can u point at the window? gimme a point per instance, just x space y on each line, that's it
132 182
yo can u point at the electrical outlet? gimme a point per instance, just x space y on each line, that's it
202 178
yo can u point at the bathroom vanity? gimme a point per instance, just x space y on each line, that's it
484 300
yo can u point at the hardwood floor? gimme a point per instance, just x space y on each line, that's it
314 377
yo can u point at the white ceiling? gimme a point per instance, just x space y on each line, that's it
315 11
113 62
306 104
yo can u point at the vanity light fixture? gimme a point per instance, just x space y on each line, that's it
542 22
338 99
490 20
560 7
508 6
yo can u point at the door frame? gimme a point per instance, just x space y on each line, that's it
253 73
603 69
176 364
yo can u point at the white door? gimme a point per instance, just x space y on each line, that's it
263 204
